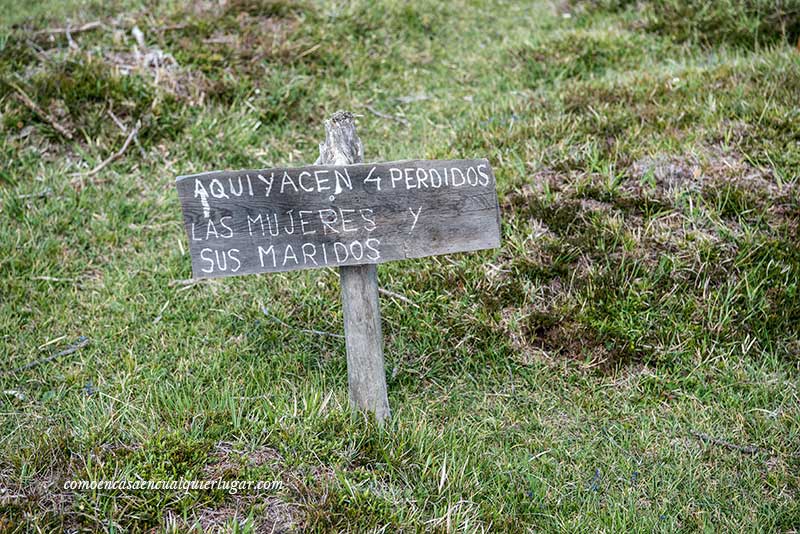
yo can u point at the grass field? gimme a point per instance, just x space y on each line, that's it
628 360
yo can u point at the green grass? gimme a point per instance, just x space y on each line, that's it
647 290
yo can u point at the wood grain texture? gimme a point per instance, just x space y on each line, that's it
366 376
341 213
269 220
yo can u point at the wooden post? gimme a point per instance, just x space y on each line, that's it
346 214
366 376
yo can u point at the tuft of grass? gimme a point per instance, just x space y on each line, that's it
79 94
581 53
746 24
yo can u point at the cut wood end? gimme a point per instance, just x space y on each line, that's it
342 145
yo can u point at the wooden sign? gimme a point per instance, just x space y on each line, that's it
270 220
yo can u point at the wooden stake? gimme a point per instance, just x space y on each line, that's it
366 376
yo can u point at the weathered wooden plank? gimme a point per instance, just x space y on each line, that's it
366 375
268 220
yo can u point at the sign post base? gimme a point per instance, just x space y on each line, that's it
341 213
366 376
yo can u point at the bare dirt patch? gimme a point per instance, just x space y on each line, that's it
264 515
228 460
548 337
44 491
263 512
666 176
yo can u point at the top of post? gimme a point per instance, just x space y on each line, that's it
342 145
